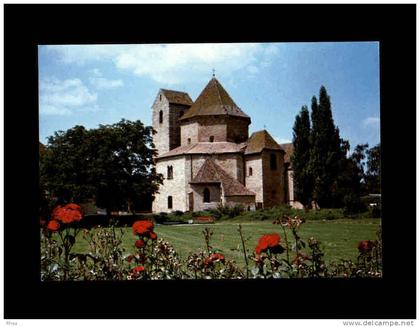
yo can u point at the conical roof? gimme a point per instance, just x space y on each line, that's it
259 141
214 100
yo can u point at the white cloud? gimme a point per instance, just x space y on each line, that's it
281 140
371 122
173 63
61 97
102 83
105 84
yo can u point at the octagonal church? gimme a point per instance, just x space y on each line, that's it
207 157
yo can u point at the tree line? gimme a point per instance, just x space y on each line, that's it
111 165
323 171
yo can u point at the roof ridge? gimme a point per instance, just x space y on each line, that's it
173 90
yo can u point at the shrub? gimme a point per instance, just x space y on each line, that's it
276 255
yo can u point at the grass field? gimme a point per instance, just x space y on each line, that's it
339 238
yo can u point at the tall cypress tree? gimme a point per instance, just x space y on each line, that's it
326 152
302 176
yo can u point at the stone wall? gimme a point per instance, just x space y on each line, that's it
248 201
273 180
168 132
161 138
175 187
212 126
189 130
176 111
221 128
215 196
254 182
237 129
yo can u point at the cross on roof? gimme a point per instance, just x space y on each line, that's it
214 72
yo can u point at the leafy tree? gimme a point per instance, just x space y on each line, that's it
302 177
373 173
63 169
112 164
350 180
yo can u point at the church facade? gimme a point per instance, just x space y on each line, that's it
207 157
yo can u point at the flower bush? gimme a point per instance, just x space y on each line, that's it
152 258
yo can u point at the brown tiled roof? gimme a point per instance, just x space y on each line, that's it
214 100
177 97
205 148
210 172
288 149
259 141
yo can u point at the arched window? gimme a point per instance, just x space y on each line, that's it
189 141
206 195
170 172
169 202
160 117
160 97
273 161
250 171
212 138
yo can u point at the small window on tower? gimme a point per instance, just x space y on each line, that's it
160 117
160 97
170 172
212 138
189 141
206 195
169 202
250 171
273 161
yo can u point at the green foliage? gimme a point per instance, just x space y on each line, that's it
302 176
322 171
373 174
112 164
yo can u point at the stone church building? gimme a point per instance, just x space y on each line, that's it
207 157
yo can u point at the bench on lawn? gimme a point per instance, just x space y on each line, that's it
204 220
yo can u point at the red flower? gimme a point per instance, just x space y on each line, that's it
152 236
143 227
365 246
139 244
130 258
269 242
217 256
208 261
53 225
138 269
68 214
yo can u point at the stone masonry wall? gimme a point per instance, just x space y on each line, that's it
212 126
248 202
215 196
237 129
176 111
175 187
273 180
161 138
189 130
254 182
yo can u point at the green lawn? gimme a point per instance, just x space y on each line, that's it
339 238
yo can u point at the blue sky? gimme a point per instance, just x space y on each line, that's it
100 84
